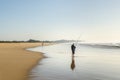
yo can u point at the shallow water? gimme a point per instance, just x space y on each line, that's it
89 63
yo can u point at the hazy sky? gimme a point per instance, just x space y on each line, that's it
95 20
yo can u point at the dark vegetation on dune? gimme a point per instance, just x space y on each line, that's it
35 41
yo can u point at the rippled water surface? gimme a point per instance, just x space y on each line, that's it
89 63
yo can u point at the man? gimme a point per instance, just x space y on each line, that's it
73 49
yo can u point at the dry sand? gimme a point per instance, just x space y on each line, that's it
16 62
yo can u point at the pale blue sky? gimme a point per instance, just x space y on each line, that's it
95 20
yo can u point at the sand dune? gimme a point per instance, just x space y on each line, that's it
16 62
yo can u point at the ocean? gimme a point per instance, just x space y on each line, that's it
91 62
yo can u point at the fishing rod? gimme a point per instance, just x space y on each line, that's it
78 40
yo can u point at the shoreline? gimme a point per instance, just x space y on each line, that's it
16 61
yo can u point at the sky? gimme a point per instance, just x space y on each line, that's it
91 20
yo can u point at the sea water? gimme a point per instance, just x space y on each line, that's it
89 63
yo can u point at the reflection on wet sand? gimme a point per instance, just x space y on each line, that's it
73 63
87 64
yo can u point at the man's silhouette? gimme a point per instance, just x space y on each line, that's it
73 49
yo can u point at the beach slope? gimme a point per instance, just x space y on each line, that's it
16 62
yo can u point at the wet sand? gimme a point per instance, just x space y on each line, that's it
89 63
16 62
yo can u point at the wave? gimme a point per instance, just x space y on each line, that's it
102 45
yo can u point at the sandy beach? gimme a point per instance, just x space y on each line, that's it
16 62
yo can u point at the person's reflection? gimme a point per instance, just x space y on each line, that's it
73 63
